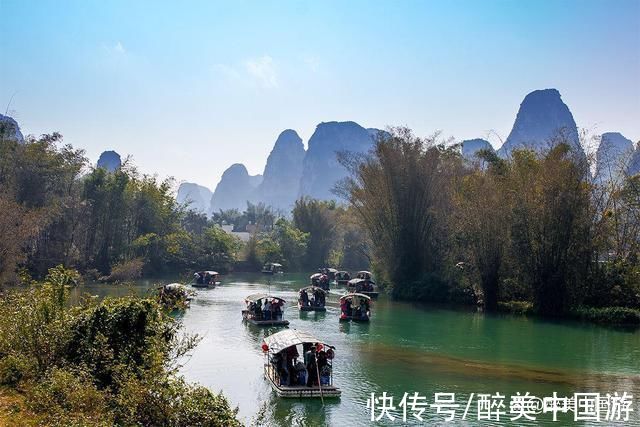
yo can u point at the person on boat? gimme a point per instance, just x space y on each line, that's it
304 298
323 367
312 368
277 309
291 355
349 310
266 311
258 310
363 308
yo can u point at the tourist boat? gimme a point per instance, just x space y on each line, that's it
289 376
356 307
320 280
366 275
205 279
366 287
329 272
317 303
272 268
343 277
257 315
175 295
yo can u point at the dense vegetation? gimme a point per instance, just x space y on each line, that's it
536 228
120 224
108 362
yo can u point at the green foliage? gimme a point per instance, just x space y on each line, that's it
318 219
608 315
109 362
516 307
534 228
402 194
101 221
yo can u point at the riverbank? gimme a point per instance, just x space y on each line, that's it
611 316
97 361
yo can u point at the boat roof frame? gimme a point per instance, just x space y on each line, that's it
260 296
355 294
313 287
290 337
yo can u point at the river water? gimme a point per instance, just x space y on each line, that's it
406 348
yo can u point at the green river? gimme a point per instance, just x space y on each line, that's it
405 348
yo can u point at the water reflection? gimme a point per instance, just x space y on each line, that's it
405 347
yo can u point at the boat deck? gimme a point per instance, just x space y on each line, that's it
299 391
270 322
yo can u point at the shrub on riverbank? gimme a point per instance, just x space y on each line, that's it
515 307
608 315
109 362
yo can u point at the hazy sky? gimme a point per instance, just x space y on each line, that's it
188 88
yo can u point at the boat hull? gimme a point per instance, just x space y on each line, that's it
295 392
354 319
199 285
311 308
271 322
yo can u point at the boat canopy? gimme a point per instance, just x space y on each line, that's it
343 272
274 264
313 288
355 294
364 273
316 276
257 297
331 270
210 273
175 287
289 337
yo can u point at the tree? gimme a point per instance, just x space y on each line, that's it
316 217
551 225
482 223
402 193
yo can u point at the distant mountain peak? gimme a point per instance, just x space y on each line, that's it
9 129
613 156
234 189
542 117
471 146
196 197
109 160
282 172
321 169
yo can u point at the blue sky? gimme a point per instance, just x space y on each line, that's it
188 88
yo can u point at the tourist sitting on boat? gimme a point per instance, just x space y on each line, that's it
203 279
269 314
266 310
290 377
363 286
277 309
356 307
315 303
329 272
303 298
366 275
343 277
272 268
